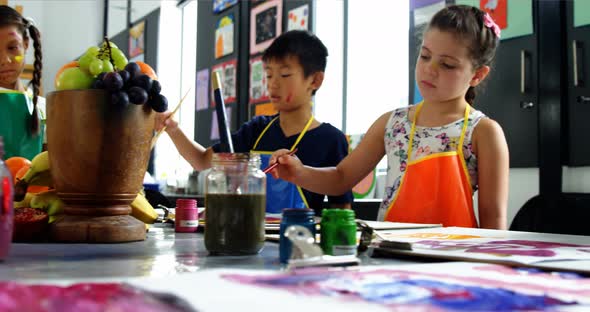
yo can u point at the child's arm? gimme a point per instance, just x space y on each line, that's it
195 154
493 165
339 179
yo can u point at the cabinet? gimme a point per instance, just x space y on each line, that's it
577 99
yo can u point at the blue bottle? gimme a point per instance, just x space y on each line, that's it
294 216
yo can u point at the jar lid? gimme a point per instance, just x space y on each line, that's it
186 203
338 213
298 211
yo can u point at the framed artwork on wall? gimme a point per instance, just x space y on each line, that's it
227 74
202 93
220 5
265 25
258 91
298 18
137 39
224 36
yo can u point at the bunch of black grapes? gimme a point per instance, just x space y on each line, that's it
132 86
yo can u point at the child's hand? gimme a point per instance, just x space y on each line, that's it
289 165
162 119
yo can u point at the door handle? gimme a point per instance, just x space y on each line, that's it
525 68
583 99
575 61
578 63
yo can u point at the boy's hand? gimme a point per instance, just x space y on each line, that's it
162 119
289 165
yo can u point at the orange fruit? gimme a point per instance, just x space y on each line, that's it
31 188
66 66
14 164
147 69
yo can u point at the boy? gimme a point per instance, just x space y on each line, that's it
294 63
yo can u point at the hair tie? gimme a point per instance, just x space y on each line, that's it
488 21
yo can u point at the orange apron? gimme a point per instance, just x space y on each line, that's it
436 188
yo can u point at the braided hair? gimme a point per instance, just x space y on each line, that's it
467 23
10 17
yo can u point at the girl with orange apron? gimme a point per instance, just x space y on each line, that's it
435 188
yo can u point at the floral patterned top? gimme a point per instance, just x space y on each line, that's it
427 141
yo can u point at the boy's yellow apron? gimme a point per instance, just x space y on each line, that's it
281 194
436 188
14 126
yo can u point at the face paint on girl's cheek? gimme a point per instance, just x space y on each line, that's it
19 58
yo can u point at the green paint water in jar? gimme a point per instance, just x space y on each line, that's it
235 202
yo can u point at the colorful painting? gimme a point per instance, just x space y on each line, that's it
87 297
224 36
488 245
497 10
220 5
266 21
202 94
298 18
434 287
227 74
258 91
137 39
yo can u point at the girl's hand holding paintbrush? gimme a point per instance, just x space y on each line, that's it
166 119
288 167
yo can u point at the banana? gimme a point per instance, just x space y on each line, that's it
142 210
48 201
39 164
26 202
38 174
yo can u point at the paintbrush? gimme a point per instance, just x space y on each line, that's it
271 167
226 144
155 138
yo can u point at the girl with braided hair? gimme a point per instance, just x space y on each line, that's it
21 108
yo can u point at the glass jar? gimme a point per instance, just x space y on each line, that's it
294 216
338 232
235 203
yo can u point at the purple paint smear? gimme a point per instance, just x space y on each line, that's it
407 290
505 247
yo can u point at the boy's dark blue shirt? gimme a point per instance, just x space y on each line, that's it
323 146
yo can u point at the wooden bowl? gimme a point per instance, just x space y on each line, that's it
98 155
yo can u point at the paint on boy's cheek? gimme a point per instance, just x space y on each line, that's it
289 96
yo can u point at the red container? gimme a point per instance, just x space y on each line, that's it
186 216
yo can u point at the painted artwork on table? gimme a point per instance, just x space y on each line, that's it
220 5
227 75
202 93
266 22
457 286
224 36
215 124
486 245
258 91
87 297
137 40
298 18
497 9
